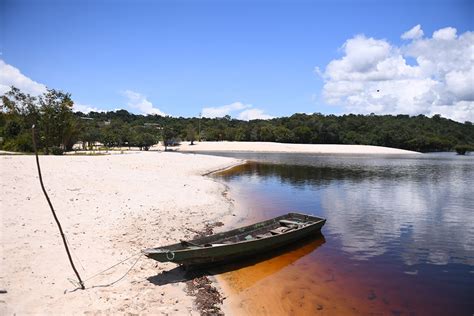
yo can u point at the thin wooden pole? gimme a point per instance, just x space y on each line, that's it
52 210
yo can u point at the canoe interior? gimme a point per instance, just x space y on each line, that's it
248 233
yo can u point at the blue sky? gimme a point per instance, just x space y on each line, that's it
184 56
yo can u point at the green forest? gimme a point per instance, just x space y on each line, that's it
59 128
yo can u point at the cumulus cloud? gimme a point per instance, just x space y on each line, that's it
448 33
373 75
253 114
140 102
413 33
12 76
241 110
224 110
85 108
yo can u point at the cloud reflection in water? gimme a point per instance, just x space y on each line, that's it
420 210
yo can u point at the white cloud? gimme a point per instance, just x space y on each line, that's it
224 110
461 83
448 33
461 111
84 108
374 76
253 114
240 110
12 76
140 102
414 33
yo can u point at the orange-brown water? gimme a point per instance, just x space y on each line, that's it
297 283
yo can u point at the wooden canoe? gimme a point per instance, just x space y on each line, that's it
242 242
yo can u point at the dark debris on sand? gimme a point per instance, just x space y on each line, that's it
207 297
207 230
208 300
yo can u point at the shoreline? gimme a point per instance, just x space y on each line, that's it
110 207
224 169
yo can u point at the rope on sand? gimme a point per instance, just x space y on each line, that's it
138 255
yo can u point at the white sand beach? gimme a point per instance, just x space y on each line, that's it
110 207
269 147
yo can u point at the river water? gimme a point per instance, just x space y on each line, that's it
399 237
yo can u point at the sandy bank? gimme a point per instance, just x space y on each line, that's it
292 148
110 207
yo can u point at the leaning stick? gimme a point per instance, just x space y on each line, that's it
52 210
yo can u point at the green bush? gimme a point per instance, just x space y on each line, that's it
22 143
55 150
9 145
12 129
462 149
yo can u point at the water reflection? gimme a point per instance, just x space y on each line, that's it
418 221
425 212
395 226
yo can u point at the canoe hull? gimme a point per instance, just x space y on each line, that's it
238 250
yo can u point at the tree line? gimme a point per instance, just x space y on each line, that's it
59 128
